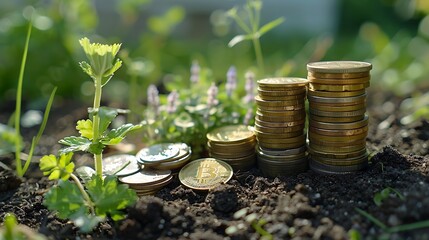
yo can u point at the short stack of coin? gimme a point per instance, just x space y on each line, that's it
233 144
279 126
165 156
147 182
338 123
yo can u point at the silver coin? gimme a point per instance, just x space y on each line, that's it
146 177
120 165
158 152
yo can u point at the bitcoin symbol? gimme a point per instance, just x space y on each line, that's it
206 172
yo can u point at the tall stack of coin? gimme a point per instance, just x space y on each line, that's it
338 123
233 144
279 126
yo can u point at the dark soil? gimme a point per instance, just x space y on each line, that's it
306 206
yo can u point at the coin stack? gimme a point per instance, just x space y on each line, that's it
165 156
233 144
279 126
147 182
338 123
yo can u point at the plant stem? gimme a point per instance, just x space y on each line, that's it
19 170
96 125
258 53
84 193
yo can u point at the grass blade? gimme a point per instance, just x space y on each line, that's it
408 227
372 219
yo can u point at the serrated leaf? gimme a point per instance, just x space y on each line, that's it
87 69
106 115
75 144
115 136
65 199
239 38
96 148
85 128
109 197
109 73
267 27
57 168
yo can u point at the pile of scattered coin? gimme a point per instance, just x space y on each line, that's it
338 123
165 156
233 144
147 182
279 126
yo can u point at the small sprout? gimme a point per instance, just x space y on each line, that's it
384 194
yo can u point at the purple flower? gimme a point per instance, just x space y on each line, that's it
212 96
248 116
250 87
195 72
153 98
172 101
231 81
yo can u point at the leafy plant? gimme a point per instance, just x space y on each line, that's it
14 231
249 22
384 194
101 197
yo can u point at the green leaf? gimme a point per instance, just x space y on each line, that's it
378 199
75 144
106 117
117 135
57 168
109 73
239 38
109 197
87 69
84 221
85 128
267 27
65 199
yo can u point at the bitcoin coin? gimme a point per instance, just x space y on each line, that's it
205 173
158 153
335 94
349 81
283 82
342 132
339 126
355 113
337 88
120 165
339 67
336 120
333 108
279 130
230 134
338 75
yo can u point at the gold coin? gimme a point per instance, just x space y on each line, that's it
205 173
276 92
338 75
348 81
280 113
283 82
333 108
276 152
283 98
319 137
283 108
339 67
343 132
276 124
281 157
264 103
281 145
354 154
243 144
300 138
336 120
335 94
279 129
337 149
268 118
343 143
336 101
339 126
337 88
341 161
230 134
262 135
354 113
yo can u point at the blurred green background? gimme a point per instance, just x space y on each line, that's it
161 38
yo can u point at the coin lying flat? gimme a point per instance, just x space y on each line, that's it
205 173
158 152
120 165
232 133
283 82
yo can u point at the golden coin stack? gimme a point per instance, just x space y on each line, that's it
338 123
233 144
279 126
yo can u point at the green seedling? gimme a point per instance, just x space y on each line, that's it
385 193
10 138
87 205
252 219
11 230
390 230
249 22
